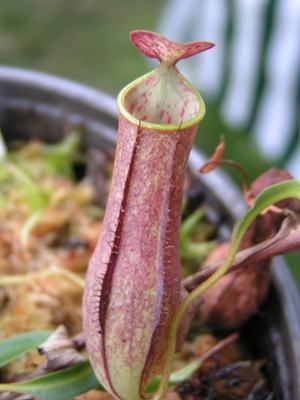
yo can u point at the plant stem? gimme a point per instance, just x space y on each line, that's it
269 196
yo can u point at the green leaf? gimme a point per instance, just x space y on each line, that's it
59 385
190 223
59 157
176 377
195 250
17 345
33 193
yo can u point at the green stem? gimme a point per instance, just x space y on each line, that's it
269 196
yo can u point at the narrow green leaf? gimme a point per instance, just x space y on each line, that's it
33 193
59 385
190 222
186 372
176 377
193 250
17 345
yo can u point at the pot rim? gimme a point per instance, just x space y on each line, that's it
61 87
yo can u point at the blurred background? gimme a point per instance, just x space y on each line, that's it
250 81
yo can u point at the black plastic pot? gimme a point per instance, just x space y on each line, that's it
38 105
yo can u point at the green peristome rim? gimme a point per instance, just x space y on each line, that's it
161 127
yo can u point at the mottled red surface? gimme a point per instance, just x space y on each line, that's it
133 281
154 45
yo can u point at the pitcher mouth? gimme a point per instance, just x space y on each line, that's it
140 107
163 99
